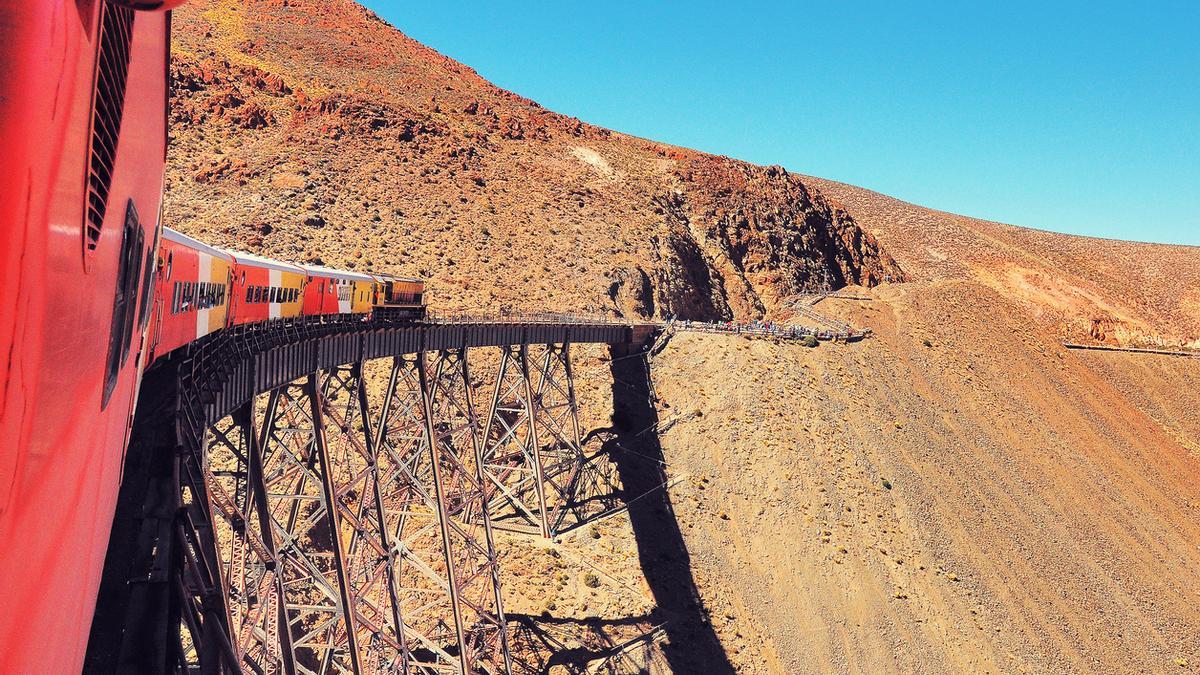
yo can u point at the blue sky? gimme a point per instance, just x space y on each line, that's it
1079 117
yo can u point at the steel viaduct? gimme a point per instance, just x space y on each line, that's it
322 497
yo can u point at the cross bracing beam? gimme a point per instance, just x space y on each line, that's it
337 516
351 530
533 456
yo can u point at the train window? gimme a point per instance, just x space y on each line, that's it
170 260
124 304
250 294
274 294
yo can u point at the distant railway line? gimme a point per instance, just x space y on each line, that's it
1131 350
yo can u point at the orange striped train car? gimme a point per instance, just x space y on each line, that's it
192 292
265 289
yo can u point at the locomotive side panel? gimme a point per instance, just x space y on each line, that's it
401 298
79 206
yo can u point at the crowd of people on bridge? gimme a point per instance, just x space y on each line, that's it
760 327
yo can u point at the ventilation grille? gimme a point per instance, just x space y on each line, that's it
112 71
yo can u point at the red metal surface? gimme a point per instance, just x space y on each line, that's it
62 440
60 459
320 296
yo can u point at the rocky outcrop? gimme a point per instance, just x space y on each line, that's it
750 236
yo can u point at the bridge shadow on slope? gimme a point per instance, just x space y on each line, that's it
692 644
548 644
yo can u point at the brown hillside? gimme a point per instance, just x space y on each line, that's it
1083 288
957 494
311 130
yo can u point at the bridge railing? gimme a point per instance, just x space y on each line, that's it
433 316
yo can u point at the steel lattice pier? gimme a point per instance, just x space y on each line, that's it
340 518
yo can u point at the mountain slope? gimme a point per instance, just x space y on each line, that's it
312 130
1082 288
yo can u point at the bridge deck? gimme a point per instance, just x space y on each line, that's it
236 364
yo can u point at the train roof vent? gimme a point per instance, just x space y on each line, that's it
112 71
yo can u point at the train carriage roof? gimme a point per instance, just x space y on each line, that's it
183 239
259 261
330 273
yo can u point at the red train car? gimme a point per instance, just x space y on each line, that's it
265 289
331 291
83 88
191 296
